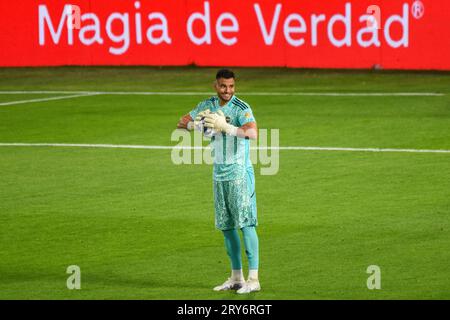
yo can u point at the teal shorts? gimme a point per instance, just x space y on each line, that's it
235 203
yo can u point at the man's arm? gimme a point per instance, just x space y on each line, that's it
186 122
248 130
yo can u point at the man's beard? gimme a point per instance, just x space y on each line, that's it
226 97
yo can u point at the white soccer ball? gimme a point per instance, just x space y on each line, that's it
207 132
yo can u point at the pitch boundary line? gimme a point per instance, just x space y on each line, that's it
167 93
9 103
154 147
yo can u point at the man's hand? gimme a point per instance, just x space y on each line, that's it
218 122
184 122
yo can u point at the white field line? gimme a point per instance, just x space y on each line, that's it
45 99
162 93
124 146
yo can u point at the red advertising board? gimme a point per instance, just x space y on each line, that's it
392 34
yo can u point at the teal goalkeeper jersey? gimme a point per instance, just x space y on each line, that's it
231 154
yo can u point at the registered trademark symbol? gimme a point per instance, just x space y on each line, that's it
418 9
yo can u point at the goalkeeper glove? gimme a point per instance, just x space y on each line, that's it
218 122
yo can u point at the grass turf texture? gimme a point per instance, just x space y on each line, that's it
140 227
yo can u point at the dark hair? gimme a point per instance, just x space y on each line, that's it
225 73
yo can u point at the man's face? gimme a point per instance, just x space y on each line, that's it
224 88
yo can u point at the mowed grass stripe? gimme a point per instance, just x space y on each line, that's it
181 93
344 122
9 103
18 97
299 148
194 79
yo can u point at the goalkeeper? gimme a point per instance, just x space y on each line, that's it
233 125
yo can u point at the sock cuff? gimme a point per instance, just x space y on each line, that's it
253 274
237 274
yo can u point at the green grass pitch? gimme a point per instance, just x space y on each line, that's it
140 227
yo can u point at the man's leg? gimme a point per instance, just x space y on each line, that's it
224 222
233 246
251 237
252 251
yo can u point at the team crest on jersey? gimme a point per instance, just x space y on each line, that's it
247 115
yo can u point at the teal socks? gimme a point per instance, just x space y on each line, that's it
233 246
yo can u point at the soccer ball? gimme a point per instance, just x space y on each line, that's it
207 132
